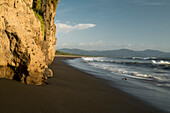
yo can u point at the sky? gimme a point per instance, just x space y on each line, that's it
113 24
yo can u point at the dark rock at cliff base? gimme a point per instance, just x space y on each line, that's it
48 73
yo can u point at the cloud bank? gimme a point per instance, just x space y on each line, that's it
66 28
92 44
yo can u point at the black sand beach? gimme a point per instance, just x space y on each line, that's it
69 91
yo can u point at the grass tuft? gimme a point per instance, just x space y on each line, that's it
41 20
37 5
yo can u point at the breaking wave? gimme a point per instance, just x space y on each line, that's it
144 58
160 62
130 67
126 72
149 63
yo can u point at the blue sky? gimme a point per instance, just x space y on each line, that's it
113 24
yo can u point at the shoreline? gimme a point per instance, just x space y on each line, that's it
69 91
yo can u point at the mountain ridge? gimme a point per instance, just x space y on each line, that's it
118 53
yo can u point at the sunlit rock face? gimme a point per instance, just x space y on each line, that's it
25 49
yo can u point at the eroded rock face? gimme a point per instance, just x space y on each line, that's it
25 51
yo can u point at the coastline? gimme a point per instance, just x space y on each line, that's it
69 91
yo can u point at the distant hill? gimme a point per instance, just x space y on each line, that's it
62 53
119 53
67 54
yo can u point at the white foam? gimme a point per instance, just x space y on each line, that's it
166 85
120 70
86 59
144 58
160 62
117 61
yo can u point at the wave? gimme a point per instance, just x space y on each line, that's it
121 69
102 59
87 59
137 75
149 63
144 58
165 85
160 62
125 72
116 61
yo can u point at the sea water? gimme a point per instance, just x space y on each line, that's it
146 78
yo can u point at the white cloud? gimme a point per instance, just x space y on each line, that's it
57 21
64 45
104 46
67 22
92 44
65 28
127 45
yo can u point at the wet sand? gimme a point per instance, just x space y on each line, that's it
69 91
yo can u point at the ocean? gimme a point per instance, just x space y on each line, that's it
147 78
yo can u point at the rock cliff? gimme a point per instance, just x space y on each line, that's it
27 39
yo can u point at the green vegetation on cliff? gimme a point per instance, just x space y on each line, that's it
41 20
37 5
36 8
